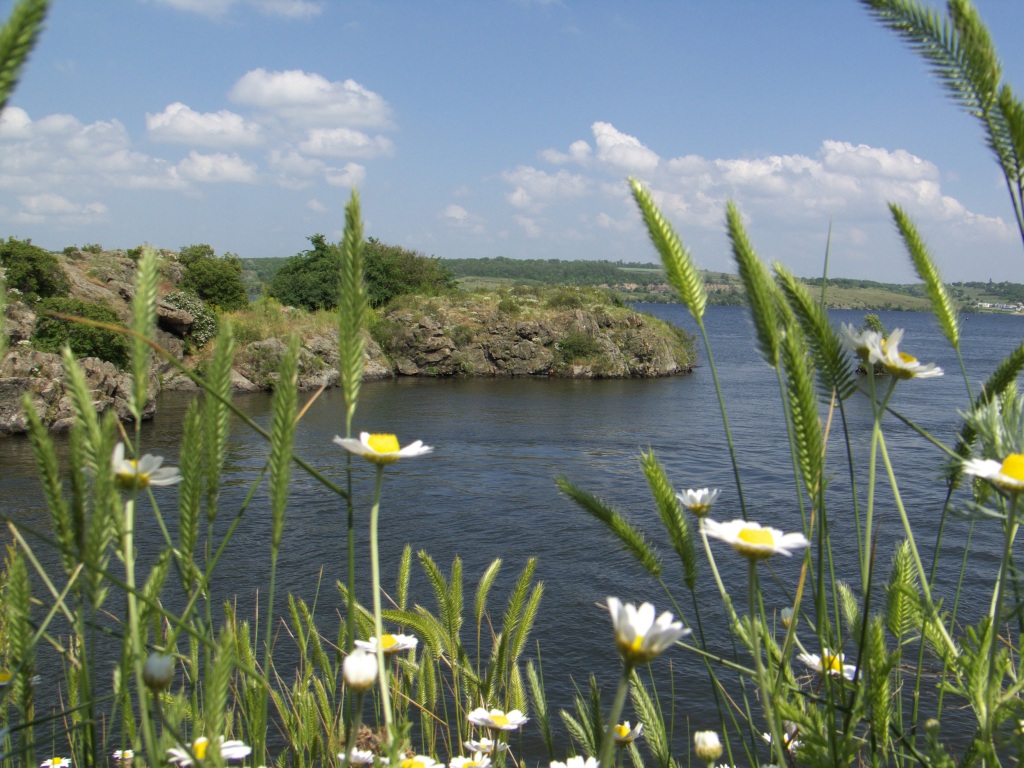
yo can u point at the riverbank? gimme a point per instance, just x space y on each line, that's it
558 332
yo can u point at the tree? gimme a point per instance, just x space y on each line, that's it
309 279
33 271
391 271
217 281
51 334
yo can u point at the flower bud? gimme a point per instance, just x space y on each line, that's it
707 746
360 670
158 672
787 617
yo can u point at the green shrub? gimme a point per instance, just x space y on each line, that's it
391 271
92 248
564 298
51 334
309 279
217 281
204 322
508 306
32 270
577 345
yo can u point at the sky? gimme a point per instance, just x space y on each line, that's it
489 128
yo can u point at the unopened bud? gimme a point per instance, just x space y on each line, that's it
158 671
360 670
707 746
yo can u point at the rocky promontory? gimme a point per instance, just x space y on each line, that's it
525 332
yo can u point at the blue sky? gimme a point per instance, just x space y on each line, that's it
502 128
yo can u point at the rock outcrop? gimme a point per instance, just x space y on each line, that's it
464 336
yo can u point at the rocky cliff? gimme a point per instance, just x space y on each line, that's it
574 334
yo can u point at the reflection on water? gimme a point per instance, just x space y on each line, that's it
488 490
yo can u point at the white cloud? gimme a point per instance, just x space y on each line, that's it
622 150
311 99
316 206
50 207
456 213
344 142
352 175
290 9
534 188
180 123
217 168
15 123
528 225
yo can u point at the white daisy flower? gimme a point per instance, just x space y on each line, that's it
638 635
136 475
123 754
830 662
390 643
904 366
229 750
754 541
1007 475
484 745
360 669
698 500
497 720
626 735
707 746
56 762
418 761
381 448
478 760
575 762
788 741
865 344
358 757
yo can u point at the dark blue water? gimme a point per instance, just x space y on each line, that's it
487 491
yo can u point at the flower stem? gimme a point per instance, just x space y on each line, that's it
378 623
608 742
762 679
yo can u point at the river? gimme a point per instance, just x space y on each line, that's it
487 491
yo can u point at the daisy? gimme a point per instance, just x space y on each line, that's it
699 500
381 448
358 757
390 643
132 475
707 746
360 669
865 344
788 741
418 761
229 750
497 720
753 541
575 762
1006 476
904 366
123 754
484 745
624 735
832 663
639 637
478 760
56 762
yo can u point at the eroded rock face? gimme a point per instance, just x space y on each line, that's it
40 377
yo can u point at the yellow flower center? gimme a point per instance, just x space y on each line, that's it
909 359
622 730
199 747
1013 466
637 643
759 536
383 443
499 721
832 663
412 762
388 641
5 677
56 761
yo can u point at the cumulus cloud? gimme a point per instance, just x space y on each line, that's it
344 142
37 209
352 175
316 206
180 123
311 99
534 188
288 9
217 168
622 150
